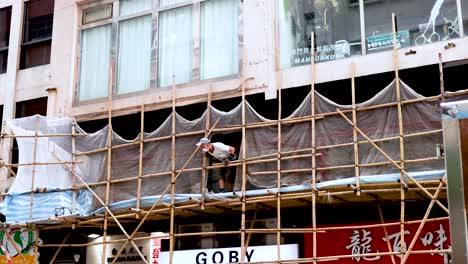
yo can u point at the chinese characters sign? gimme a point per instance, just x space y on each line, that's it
155 250
358 241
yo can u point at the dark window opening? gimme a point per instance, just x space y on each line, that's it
37 33
25 109
5 21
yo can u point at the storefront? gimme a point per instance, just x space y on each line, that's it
367 238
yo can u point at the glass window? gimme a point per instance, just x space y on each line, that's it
96 14
95 58
335 23
419 22
134 62
464 4
175 46
219 41
5 20
37 33
171 2
128 7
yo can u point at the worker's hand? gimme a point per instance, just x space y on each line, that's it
225 162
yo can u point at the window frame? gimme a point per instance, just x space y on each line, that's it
25 45
5 50
155 10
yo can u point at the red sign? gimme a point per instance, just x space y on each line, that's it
434 236
155 250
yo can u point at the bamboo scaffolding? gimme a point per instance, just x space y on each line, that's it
401 133
421 226
394 163
106 217
140 158
255 231
159 200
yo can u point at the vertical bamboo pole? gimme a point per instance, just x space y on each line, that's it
278 179
109 165
357 170
173 172
205 158
140 160
441 76
33 174
313 143
244 156
401 133
74 163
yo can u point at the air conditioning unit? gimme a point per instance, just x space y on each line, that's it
196 242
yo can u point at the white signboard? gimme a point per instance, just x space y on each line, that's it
230 255
129 254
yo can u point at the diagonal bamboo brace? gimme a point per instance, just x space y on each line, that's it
392 161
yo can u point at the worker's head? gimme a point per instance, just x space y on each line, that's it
205 144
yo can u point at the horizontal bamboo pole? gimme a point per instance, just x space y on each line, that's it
268 198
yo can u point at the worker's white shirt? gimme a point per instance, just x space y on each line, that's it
220 151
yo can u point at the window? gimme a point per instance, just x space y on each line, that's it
5 20
37 33
335 23
419 22
156 45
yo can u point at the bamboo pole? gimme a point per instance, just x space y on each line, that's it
243 156
59 248
205 159
357 171
159 200
441 79
140 158
278 178
173 173
109 162
314 147
421 226
33 174
394 163
396 63
15 246
386 234
73 159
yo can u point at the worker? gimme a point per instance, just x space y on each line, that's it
220 152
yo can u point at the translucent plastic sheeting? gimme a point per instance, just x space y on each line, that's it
332 129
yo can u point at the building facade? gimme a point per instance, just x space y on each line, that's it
72 58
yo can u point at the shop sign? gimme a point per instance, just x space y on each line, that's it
385 41
129 253
24 240
155 250
339 50
231 255
356 241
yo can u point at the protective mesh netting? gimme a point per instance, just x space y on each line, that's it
331 130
